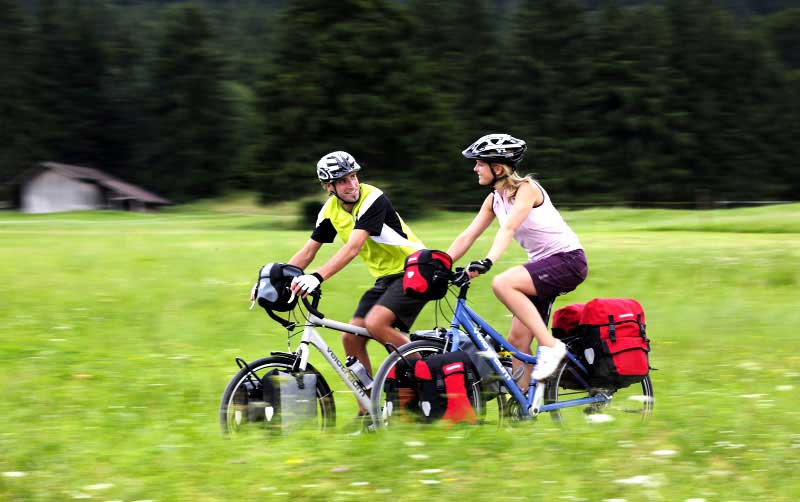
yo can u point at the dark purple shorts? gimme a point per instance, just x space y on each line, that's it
558 274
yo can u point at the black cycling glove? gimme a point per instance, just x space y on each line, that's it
480 266
461 277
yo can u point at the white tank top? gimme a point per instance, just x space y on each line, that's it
543 233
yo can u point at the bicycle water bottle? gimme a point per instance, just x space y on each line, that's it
358 369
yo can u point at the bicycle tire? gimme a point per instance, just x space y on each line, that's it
636 399
385 414
230 417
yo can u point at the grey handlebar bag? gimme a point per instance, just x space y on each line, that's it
272 291
290 400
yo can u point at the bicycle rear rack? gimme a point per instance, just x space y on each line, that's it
242 365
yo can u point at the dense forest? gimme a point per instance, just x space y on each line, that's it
627 102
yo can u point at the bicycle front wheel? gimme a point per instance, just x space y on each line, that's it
634 403
394 402
241 407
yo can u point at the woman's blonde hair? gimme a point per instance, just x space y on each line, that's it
511 181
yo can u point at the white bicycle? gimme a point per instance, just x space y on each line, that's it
244 404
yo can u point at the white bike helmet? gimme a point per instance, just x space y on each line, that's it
336 165
497 148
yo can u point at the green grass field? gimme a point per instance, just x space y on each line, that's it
118 334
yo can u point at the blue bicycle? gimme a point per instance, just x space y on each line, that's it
493 387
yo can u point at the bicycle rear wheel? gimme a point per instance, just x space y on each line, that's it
390 406
633 403
239 408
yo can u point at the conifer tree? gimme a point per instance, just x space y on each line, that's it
345 78
191 157
16 123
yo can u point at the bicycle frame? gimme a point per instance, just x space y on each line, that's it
312 337
531 402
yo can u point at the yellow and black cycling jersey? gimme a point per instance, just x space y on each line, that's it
390 239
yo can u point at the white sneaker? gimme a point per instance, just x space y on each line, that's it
547 360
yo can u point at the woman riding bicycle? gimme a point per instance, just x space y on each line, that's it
556 261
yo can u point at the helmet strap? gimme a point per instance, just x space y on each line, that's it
495 177
334 192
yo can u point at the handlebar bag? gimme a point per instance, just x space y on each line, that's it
426 274
273 292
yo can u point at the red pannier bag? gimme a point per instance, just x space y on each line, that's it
566 320
615 328
426 274
445 387
608 335
566 327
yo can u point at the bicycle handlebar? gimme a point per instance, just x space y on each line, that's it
312 306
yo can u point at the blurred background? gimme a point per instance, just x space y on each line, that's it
690 103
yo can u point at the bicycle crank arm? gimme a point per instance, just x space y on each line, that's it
538 397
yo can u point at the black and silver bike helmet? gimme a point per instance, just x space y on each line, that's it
497 148
336 165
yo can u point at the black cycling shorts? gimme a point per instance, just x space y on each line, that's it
388 292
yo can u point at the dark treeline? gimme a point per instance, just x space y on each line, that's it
624 102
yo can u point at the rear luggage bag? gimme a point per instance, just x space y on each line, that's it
619 326
609 338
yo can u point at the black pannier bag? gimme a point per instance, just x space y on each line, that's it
249 402
426 274
445 387
400 389
489 380
289 400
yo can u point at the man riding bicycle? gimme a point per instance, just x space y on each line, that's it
365 220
